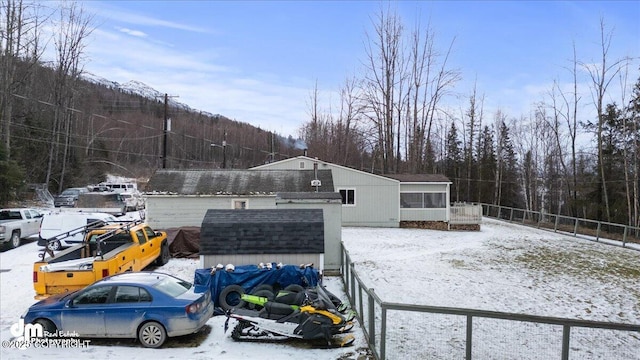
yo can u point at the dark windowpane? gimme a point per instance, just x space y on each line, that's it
131 294
144 295
141 238
411 200
150 233
97 295
127 294
343 193
434 200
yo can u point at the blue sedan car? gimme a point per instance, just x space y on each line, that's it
148 306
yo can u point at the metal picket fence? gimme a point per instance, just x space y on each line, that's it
409 331
598 231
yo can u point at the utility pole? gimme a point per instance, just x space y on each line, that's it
166 129
224 149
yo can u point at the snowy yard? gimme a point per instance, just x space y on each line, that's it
504 267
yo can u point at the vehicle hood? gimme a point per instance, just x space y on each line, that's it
66 196
52 302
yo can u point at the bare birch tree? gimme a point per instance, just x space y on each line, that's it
630 146
383 65
430 79
73 28
601 76
19 35
348 118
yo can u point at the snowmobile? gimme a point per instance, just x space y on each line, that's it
313 318
293 296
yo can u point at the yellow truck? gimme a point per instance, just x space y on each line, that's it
108 250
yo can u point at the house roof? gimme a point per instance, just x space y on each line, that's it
414 178
237 182
398 177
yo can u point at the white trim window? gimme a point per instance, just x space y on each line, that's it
423 200
238 204
348 197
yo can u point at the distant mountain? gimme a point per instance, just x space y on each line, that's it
135 87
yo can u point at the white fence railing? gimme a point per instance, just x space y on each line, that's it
465 214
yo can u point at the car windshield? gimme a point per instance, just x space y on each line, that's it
70 192
172 286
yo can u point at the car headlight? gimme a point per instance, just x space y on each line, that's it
3 229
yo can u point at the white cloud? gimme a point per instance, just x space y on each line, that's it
136 33
200 80
110 13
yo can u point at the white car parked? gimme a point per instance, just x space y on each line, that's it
133 201
71 223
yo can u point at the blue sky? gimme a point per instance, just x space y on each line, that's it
258 61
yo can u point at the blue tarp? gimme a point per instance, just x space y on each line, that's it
250 276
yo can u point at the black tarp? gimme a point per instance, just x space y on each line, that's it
184 242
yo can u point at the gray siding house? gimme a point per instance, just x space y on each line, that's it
176 198
380 200
181 198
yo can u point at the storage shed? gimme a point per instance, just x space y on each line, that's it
288 236
330 203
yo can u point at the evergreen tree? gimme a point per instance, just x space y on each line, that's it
633 127
508 172
453 161
488 165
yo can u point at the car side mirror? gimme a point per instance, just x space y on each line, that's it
69 303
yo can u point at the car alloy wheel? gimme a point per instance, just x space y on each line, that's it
152 334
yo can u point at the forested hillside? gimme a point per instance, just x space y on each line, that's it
576 153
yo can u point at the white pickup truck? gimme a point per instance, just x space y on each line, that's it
17 224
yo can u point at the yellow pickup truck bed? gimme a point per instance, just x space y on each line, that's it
106 251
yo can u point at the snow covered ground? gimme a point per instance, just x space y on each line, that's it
16 295
504 267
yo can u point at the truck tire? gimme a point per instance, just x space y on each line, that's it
15 240
165 255
230 297
294 288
